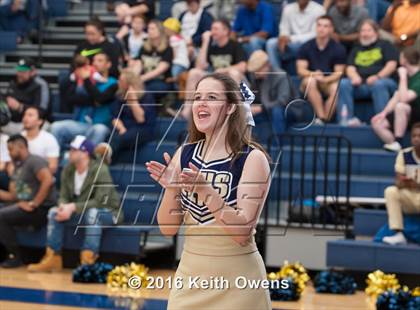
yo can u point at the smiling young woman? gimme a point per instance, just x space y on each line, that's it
216 186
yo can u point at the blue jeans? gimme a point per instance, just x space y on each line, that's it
254 44
127 141
157 85
13 21
177 70
380 92
276 57
66 130
93 220
377 9
278 120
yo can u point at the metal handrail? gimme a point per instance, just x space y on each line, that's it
322 159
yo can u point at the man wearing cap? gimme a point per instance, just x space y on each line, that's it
27 89
274 90
87 197
31 193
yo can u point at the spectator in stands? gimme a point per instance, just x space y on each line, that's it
371 66
6 165
321 62
92 113
347 19
194 22
216 8
40 142
31 193
404 196
274 90
156 58
297 26
27 89
129 8
218 53
134 115
254 24
402 23
133 38
97 42
4 154
403 110
87 196
14 17
181 62
376 8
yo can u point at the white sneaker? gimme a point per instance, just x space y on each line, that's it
398 238
354 122
393 147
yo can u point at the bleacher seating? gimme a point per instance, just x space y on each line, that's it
7 41
365 255
372 168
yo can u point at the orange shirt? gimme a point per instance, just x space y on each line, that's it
406 19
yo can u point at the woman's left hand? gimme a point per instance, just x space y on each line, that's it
192 179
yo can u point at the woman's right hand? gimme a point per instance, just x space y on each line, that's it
165 175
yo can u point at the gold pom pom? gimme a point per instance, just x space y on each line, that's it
297 272
379 282
129 276
415 291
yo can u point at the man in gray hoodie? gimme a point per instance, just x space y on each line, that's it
273 89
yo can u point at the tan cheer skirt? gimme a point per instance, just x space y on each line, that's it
224 283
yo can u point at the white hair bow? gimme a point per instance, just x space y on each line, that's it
249 98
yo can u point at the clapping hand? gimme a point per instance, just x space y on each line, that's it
192 177
165 175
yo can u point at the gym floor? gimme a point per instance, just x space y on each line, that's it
24 291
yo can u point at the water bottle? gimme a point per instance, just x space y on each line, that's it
344 115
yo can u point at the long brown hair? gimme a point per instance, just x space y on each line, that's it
133 80
239 132
164 41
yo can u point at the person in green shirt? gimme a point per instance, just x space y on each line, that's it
403 110
87 198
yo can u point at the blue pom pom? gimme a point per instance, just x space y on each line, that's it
335 283
96 273
400 300
289 294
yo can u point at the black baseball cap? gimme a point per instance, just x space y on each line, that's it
25 64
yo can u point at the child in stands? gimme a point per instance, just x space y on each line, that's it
180 63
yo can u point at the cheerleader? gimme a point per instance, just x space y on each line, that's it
216 186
